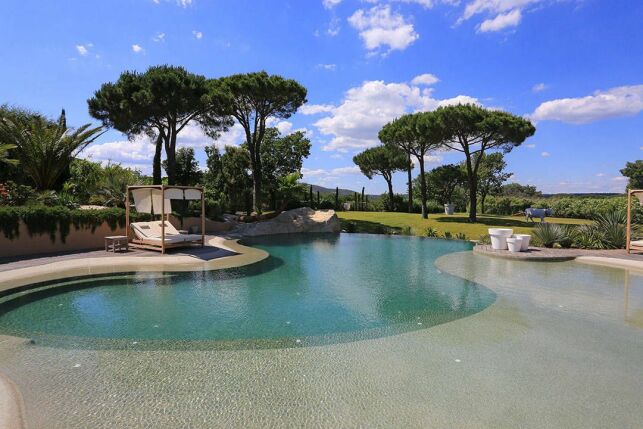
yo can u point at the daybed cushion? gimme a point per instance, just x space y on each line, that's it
151 232
637 243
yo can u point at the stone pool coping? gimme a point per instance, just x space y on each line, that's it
11 405
219 253
617 258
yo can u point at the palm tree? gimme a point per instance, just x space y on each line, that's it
4 154
46 148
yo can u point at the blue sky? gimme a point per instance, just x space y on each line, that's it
575 67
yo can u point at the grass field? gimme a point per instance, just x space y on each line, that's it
381 222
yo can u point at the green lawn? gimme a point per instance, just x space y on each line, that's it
378 222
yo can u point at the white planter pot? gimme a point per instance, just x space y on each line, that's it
449 209
526 238
514 244
501 231
498 242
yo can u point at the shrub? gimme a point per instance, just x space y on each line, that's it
350 227
327 205
613 227
567 207
15 194
461 236
548 234
484 239
49 220
431 232
607 232
406 230
448 235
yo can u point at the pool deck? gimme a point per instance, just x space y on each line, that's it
219 253
618 258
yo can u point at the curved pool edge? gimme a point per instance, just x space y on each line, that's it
603 261
244 255
11 405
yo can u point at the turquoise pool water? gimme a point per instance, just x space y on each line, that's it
312 290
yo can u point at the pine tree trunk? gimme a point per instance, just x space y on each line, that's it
425 210
156 165
410 185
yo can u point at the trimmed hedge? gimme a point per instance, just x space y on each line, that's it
49 220
568 207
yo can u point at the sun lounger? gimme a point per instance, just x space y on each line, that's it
150 234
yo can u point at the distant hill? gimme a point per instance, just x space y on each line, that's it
342 192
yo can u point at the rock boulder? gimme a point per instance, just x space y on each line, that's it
293 221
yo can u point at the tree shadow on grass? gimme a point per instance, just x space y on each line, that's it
364 226
490 221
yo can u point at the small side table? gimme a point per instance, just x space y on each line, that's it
117 243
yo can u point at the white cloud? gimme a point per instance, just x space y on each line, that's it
495 7
284 127
501 21
379 27
160 37
83 50
427 4
334 27
428 159
324 177
539 87
545 154
329 67
197 34
137 153
329 4
499 14
346 170
600 174
615 102
619 179
530 146
459 99
425 79
181 3
313 109
355 123
137 48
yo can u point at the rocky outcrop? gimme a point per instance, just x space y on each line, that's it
292 221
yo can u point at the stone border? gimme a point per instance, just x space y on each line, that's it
11 405
594 257
625 264
533 254
244 255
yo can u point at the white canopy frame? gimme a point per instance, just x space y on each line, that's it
632 245
162 195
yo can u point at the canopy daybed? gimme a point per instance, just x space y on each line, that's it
636 245
156 200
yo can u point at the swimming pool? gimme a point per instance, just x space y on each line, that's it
558 345
312 290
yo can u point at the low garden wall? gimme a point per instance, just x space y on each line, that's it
33 230
77 238
37 230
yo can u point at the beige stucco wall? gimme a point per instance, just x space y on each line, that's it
77 239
